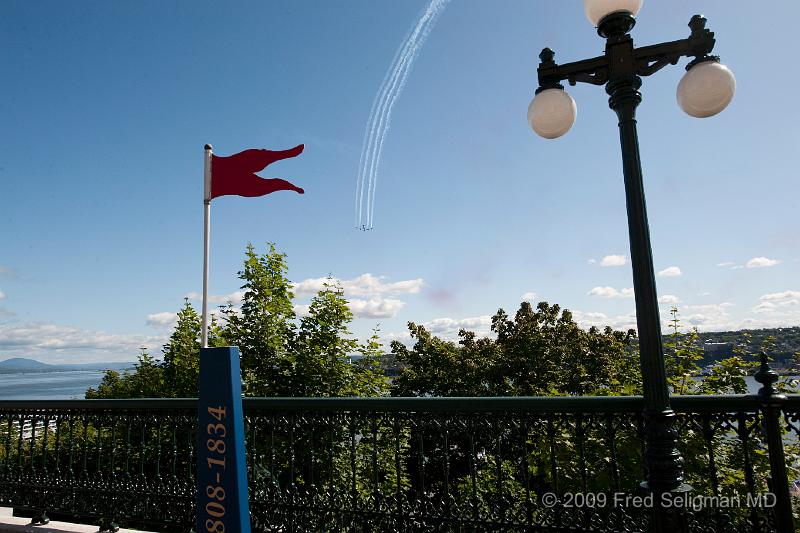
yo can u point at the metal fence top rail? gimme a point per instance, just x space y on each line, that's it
550 404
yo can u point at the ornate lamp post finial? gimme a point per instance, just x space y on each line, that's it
767 377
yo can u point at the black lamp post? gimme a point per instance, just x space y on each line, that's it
706 89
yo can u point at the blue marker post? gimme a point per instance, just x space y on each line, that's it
221 469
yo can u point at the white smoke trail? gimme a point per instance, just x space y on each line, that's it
400 75
375 119
372 123
394 73
382 122
404 69
380 115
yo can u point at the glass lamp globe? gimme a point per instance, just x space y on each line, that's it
597 9
551 113
706 89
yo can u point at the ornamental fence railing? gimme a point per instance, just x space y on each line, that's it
405 464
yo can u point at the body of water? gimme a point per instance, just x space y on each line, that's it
69 385
753 385
48 385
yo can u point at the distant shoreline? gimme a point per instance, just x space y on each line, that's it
60 370
23 365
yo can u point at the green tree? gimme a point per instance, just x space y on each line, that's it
545 352
727 377
538 353
281 357
263 328
113 385
146 381
369 371
319 356
682 357
182 354
435 367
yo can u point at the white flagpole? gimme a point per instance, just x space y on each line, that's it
206 237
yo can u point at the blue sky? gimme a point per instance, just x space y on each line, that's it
107 105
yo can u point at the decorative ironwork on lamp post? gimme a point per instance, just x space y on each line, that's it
706 89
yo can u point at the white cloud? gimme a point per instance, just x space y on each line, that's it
720 307
613 261
309 287
781 321
402 336
669 299
785 295
529 297
234 298
756 262
54 343
162 320
780 303
777 309
670 272
601 320
375 307
765 307
2 295
365 285
761 262
604 292
708 317
365 294
704 293
592 261
591 315
611 292
449 327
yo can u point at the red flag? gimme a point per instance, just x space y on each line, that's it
236 174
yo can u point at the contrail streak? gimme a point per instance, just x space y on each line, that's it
372 123
383 120
380 115
376 120
400 73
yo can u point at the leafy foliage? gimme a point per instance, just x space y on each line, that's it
279 357
682 356
146 381
541 351
263 328
538 353
319 352
181 367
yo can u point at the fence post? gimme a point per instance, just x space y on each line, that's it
771 406
222 493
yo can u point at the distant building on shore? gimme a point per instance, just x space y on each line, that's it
717 349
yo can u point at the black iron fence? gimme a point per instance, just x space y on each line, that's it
405 464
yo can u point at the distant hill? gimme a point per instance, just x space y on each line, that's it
21 364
